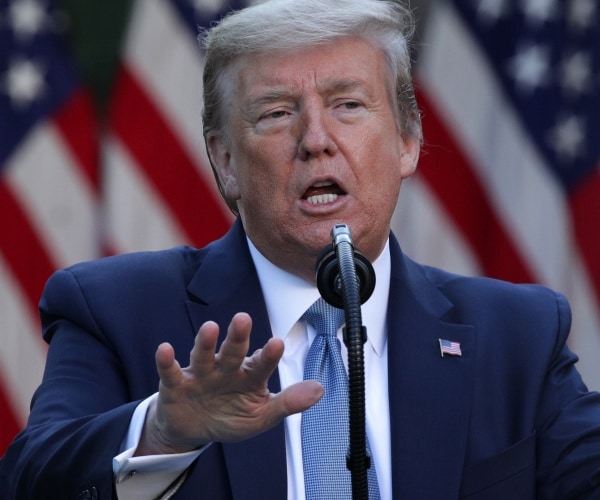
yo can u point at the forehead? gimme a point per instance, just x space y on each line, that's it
345 63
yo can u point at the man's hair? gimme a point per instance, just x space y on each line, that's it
285 25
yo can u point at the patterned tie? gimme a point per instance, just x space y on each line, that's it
325 433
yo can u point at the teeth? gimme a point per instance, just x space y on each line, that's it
322 183
322 198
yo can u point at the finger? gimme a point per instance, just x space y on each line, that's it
234 348
167 366
202 356
261 365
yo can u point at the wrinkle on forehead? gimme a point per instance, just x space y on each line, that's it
256 81
289 76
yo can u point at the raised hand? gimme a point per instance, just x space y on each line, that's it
221 396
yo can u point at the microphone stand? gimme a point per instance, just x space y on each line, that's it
353 291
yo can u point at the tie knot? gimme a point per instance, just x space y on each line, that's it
324 318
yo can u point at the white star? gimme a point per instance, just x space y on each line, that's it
530 67
567 137
539 11
576 73
24 82
27 17
208 7
491 10
582 13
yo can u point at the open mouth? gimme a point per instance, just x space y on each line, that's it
322 192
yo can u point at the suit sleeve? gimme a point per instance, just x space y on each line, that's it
80 412
568 444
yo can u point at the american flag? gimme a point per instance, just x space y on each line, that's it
450 347
487 199
509 177
157 188
48 187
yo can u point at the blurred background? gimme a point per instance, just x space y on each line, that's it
101 151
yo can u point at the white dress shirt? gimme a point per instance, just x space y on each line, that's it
287 297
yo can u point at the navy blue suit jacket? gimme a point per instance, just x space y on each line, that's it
510 418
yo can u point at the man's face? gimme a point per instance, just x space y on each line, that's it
313 141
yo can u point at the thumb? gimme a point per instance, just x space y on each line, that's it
296 398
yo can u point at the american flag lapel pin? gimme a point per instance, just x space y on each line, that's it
449 347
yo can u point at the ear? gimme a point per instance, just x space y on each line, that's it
220 156
410 156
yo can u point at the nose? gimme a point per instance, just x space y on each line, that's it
314 138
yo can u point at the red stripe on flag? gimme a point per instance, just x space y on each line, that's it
584 201
22 249
446 169
75 120
165 162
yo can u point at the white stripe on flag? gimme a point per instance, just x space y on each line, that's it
159 39
136 217
23 352
58 199
427 234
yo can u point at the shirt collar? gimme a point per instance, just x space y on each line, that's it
287 297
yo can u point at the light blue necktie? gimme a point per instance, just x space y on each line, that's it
325 431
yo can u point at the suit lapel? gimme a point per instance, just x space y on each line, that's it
226 283
430 395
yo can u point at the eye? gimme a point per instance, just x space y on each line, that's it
346 105
351 105
348 109
274 115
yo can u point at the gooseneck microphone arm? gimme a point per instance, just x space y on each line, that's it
346 279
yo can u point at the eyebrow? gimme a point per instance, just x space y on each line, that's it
342 85
269 97
332 86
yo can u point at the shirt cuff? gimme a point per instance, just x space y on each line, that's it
146 476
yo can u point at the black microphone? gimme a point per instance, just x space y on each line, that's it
346 279
329 281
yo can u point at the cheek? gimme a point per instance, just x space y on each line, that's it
261 187
380 163
381 179
265 168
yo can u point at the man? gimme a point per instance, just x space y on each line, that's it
310 120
